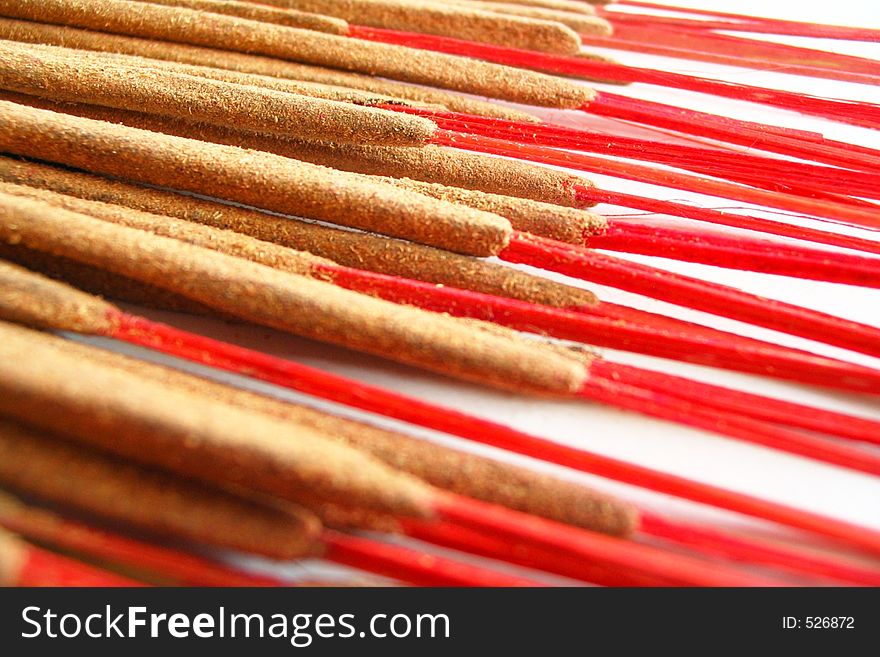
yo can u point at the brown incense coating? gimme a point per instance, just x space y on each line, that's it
64 75
358 250
37 302
346 517
59 35
581 23
314 89
194 436
434 164
475 476
447 166
555 222
101 282
223 241
256 178
469 23
47 467
293 303
319 21
544 219
241 35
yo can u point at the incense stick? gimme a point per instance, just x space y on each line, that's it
362 250
472 172
318 21
231 33
272 457
170 506
224 60
260 179
297 304
859 113
372 399
674 341
63 75
50 469
467 474
477 477
183 568
448 20
180 344
613 388
454 508
313 89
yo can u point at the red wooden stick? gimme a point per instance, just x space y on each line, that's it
739 253
703 542
695 414
410 566
695 43
595 195
744 404
748 23
550 536
813 181
407 409
618 327
473 542
823 209
750 550
851 111
693 293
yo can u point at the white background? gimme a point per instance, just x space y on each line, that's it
702 456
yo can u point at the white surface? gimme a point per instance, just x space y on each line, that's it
702 456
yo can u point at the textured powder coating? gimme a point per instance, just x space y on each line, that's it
469 23
137 419
293 303
447 166
257 12
46 467
59 35
436 164
544 219
314 89
64 75
36 301
358 250
223 241
101 282
450 469
580 22
256 178
241 35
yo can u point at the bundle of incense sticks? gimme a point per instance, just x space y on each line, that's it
348 113
446 469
